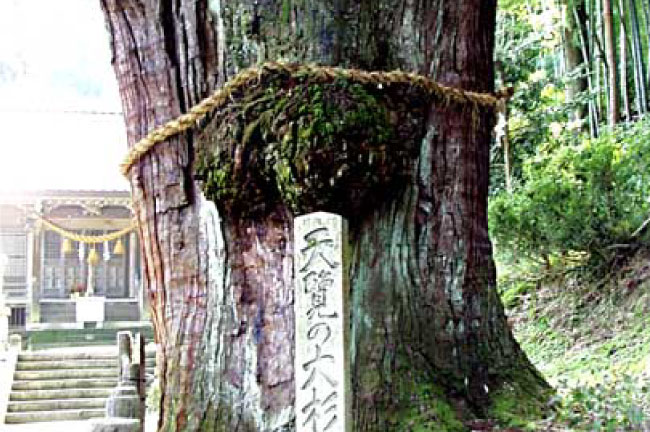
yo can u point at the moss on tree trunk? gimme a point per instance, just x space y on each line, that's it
430 342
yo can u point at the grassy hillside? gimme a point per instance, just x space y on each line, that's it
590 339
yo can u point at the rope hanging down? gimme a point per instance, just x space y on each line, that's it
319 74
87 238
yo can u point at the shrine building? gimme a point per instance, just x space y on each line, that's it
71 261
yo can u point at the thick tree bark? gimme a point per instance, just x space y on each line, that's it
425 312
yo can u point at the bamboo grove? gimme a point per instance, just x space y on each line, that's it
574 65
570 160
599 48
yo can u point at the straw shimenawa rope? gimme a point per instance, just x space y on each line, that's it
87 238
315 72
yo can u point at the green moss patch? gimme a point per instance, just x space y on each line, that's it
515 405
429 412
337 146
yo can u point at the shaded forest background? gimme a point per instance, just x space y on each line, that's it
569 202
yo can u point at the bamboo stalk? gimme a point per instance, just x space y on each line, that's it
623 64
637 51
580 17
610 51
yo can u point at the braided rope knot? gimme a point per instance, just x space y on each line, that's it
251 75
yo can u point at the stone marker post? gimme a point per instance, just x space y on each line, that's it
124 353
15 342
124 410
323 402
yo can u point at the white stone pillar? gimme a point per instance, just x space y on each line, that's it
32 274
90 288
132 288
322 372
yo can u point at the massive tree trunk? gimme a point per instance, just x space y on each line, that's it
426 320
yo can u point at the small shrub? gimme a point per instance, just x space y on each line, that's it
580 197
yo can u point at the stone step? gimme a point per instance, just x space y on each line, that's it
66 364
75 355
65 383
66 355
75 393
49 416
54 405
64 374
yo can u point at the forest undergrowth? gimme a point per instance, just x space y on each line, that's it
589 338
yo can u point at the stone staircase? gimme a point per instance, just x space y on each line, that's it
64 384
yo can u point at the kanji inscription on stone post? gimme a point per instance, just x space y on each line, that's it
321 308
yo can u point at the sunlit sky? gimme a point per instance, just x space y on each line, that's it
54 72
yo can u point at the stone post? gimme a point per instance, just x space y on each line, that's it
124 408
322 372
124 354
16 342
115 425
124 400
